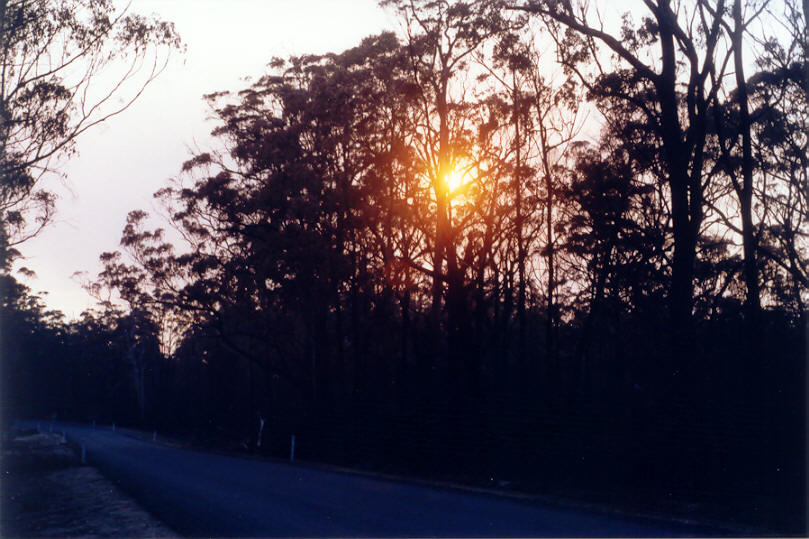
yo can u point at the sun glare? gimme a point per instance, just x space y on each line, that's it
456 179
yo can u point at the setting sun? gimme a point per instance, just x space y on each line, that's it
457 178
551 250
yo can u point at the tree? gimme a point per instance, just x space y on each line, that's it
779 97
66 67
440 41
669 99
30 337
277 263
615 234
348 276
135 316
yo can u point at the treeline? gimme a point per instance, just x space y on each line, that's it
417 255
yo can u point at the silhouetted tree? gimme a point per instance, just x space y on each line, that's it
51 90
383 247
668 100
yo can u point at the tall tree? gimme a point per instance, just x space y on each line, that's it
440 39
669 97
779 94
53 56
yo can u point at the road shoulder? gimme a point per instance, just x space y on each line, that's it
47 492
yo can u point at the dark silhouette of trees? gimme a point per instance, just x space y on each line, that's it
66 67
409 255
668 100
441 39
779 97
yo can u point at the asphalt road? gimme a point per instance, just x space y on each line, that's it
203 494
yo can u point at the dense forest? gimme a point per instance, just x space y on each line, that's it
524 242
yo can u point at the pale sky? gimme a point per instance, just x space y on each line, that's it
124 161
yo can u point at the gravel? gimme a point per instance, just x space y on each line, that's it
47 492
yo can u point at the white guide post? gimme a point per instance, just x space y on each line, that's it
292 450
260 430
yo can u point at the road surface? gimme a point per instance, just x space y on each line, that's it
199 493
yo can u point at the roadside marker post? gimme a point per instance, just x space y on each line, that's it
51 428
154 436
113 426
292 450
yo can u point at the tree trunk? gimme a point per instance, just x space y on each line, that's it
676 157
550 322
753 300
519 226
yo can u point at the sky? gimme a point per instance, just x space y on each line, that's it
122 162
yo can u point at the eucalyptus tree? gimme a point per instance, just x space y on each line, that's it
655 78
295 222
543 124
615 235
133 315
440 39
66 67
30 340
779 99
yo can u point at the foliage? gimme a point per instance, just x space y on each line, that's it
409 255
61 75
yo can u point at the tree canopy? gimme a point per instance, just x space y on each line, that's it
66 67
507 241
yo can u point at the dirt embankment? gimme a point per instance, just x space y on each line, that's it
47 492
